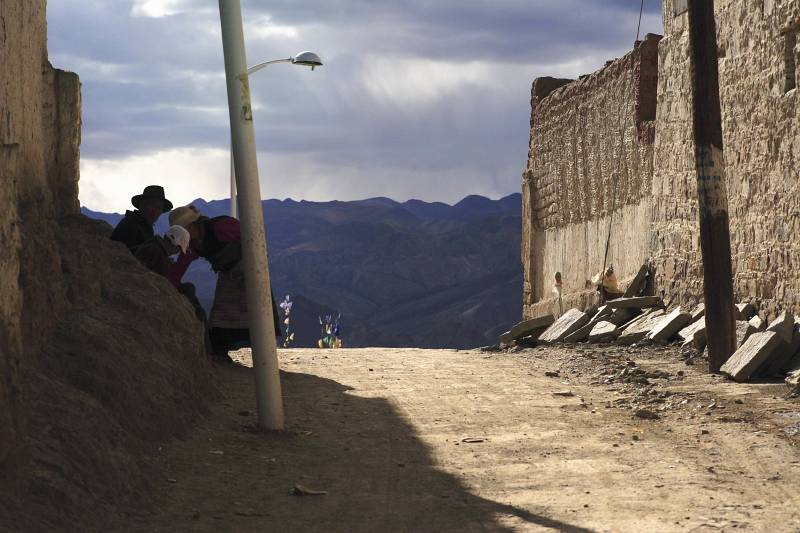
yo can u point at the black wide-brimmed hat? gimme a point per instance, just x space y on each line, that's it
152 191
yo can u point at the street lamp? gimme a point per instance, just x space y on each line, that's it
304 59
269 401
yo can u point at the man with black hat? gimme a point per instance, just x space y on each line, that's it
137 226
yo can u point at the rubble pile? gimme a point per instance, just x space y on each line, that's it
764 350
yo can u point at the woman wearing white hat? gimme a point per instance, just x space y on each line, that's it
218 241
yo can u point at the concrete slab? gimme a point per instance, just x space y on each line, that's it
506 338
566 324
754 353
669 325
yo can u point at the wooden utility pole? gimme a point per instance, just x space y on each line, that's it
715 237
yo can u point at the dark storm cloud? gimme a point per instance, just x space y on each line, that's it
410 86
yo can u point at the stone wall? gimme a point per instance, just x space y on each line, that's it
758 66
589 171
761 128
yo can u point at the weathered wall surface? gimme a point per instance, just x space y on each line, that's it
98 356
590 169
759 65
39 140
761 124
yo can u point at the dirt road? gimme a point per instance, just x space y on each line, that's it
424 440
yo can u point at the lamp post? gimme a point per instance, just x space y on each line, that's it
269 402
306 59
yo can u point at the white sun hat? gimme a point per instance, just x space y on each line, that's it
179 236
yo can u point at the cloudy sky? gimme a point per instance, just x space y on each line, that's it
421 99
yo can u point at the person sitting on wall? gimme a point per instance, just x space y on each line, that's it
136 227
155 255
218 241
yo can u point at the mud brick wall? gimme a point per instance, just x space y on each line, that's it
658 217
39 139
590 165
761 128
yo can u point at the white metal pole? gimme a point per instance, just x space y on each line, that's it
233 184
254 243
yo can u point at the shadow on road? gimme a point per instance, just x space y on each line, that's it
377 473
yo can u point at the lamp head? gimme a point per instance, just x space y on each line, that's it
308 59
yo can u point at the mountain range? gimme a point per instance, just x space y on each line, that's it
415 273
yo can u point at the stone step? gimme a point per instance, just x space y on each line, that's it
752 355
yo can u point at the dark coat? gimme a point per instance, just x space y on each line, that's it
153 255
133 230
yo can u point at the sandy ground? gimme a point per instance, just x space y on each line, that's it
435 440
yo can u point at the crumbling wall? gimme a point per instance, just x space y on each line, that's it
99 358
590 168
761 127
39 139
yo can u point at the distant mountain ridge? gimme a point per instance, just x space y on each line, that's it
414 273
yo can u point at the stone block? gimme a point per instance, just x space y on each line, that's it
640 327
745 311
603 331
565 325
580 334
669 325
530 327
639 302
694 334
782 361
757 323
638 282
743 332
752 355
622 316
698 312
783 326
793 380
